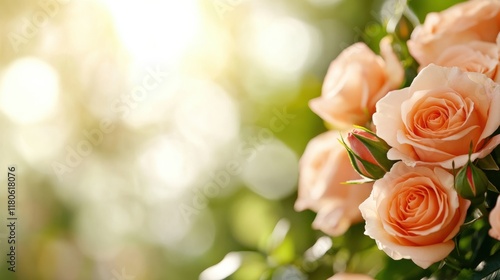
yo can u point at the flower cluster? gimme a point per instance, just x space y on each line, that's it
423 150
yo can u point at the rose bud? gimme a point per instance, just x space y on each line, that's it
471 183
368 153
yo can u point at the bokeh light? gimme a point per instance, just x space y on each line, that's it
158 31
39 143
29 90
273 172
207 115
171 163
283 46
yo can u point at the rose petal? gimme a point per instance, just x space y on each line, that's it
459 108
324 166
393 231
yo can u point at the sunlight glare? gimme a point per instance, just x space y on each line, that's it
29 90
155 30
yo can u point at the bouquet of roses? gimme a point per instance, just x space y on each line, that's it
413 147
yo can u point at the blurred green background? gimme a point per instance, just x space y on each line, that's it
155 139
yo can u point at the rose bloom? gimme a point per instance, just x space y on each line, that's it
480 57
494 220
324 166
463 23
414 213
439 117
355 81
350 276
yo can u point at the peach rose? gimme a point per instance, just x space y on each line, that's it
463 23
479 57
437 118
355 81
350 276
494 220
323 167
414 213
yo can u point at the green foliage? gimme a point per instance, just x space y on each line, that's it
490 268
401 270
424 7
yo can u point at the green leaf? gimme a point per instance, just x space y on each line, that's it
480 245
278 236
488 163
491 266
444 272
369 261
284 253
401 270
465 274
494 276
492 187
